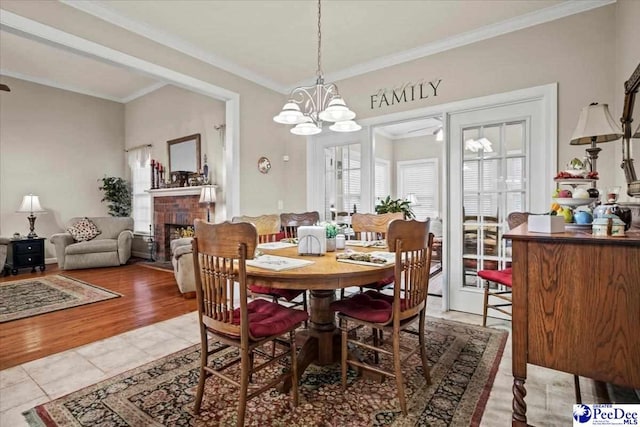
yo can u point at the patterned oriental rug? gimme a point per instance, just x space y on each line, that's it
464 360
30 297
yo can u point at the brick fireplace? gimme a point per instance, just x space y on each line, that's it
174 208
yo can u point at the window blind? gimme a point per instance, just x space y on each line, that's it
139 160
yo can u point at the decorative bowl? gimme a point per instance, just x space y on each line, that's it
573 201
577 172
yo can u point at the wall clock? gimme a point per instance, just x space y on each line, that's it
264 165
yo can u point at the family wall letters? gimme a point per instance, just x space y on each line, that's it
408 92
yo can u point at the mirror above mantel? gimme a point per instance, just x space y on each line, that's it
184 154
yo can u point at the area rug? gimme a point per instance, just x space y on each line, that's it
30 297
464 360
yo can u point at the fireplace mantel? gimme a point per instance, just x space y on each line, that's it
177 191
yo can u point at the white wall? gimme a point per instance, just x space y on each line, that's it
55 144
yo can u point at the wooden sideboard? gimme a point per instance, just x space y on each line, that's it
576 308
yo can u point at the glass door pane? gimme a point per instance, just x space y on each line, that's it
342 172
493 186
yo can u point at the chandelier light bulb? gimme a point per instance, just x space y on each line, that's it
306 129
336 111
290 114
345 126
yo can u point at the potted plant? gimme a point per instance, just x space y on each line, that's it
398 205
117 195
331 229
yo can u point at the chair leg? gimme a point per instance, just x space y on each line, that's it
304 306
576 386
376 343
486 303
204 345
343 361
398 371
423 348
244 387
294 367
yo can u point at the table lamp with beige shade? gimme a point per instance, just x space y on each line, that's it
31 203
595 125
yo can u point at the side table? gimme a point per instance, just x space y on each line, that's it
25 253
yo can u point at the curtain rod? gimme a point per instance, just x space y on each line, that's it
138 146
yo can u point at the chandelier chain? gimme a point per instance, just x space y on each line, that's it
319 70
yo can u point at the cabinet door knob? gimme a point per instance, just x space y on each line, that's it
29 247
29 259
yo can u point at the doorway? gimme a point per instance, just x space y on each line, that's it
530 113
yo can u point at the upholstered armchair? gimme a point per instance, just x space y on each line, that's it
182 260
111 247
3 253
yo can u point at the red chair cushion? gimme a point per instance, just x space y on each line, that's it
287 294
502 277
381 284
369 306
268 318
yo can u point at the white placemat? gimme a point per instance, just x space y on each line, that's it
277 263
276 245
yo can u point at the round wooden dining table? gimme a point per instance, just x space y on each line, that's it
321 342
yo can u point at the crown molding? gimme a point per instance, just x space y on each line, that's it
562 10
531 19
54 84
143 92
103 12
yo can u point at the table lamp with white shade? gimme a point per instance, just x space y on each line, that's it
31 203
208 197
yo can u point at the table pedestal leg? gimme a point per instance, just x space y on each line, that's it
322 345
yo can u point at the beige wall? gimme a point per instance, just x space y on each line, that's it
578 52
171 112
259 135
55 144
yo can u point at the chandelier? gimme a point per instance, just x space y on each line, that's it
309 106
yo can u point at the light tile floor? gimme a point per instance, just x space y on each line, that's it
549 393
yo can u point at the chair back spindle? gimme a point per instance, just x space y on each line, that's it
219 265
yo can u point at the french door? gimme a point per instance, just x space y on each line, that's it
500 162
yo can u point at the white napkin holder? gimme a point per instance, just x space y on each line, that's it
312 240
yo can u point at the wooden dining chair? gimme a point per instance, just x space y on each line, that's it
411 242
268 227
373 227
497 283
291 221
220 252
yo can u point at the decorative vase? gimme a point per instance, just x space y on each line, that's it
331 244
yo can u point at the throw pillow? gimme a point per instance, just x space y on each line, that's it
83 230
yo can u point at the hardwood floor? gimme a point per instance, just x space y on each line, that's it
148 296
